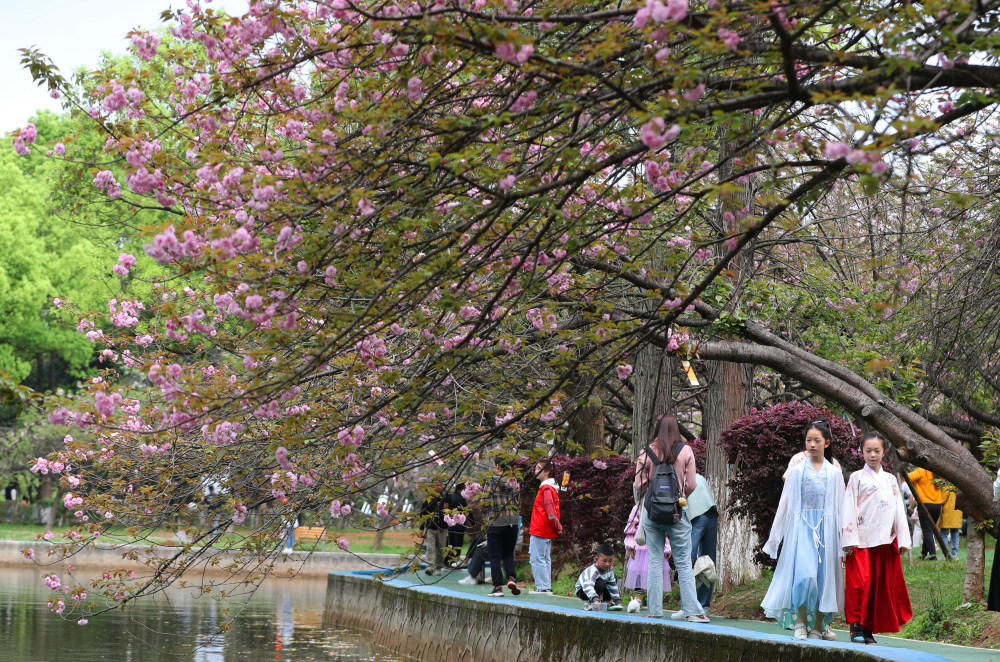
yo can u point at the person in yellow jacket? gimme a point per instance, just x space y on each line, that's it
951 521
930 496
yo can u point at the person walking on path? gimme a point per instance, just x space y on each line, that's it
435 529
931 497
808 579
704 516
951 521
501 536
667 447
874 532
543 529
456 531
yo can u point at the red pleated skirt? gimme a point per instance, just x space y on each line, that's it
875 593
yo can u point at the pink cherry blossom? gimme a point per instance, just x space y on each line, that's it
729 38
836 150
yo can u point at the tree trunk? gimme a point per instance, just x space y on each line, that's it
45 487
653 394
973 589
729 389
51 521
726 400
587 427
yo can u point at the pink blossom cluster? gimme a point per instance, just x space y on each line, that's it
125 262
25 137
144 44
841 150
107 403
509 52
454 519
654 134
105 181
471 490
44 466
239 514
337 509
223 433
658 12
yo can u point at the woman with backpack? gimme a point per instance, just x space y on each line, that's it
664 477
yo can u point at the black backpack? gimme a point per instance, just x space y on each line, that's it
663 492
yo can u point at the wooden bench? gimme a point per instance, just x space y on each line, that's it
312 534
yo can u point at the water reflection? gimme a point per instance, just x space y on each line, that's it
282 621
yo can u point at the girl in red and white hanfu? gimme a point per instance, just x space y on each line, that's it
874 533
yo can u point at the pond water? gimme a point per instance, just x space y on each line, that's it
282 621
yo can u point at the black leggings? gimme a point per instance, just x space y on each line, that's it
500 542
927 528
602 591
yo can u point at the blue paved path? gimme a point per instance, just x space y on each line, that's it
889 648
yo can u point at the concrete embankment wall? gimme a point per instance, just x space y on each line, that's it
100 557
438 625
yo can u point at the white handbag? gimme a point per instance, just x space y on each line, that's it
640 530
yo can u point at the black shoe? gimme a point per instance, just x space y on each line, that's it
869 637
857 634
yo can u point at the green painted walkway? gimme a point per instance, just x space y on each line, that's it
449 581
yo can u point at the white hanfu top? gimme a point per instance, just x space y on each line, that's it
798 459
873 513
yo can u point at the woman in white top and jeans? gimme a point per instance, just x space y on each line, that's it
665 445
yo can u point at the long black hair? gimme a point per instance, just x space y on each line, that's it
823 427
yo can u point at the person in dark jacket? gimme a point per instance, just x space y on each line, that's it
456 531
434 528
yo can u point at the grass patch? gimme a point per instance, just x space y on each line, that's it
362 540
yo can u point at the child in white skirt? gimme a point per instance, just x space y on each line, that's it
637 559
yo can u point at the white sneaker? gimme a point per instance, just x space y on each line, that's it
700 618
815 634
468 580
800 631
680 615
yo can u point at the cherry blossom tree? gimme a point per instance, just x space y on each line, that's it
392 236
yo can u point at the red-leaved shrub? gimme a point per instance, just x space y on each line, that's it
759 446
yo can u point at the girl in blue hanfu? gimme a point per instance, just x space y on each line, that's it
809 581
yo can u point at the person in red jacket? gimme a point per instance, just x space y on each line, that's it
544 527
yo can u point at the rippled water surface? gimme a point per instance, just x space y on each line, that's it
282 621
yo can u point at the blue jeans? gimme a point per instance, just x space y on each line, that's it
680 545
540 556
953 534
704 540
